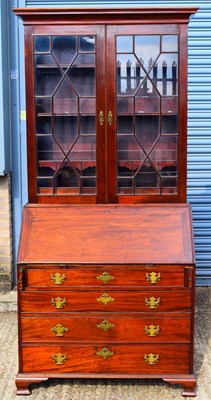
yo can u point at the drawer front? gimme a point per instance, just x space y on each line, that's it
146 276
106 328
107 358
147 301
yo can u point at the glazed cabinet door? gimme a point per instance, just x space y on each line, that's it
146 113
65 118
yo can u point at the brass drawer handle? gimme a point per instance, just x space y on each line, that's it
58 302
151 358
105 325
105 353
152 330
110 117
105 298
152 302
105 277
101 118
59 358
59 330
58 278
153 277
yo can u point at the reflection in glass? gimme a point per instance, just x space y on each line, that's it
87 43
64 49
125 105
84 149
129 149
124 44
147 49
43 105
87 125
48 149
147 176
125 125
129 74
165 149
67 176
165 74
87 106
169 43
44 125
147 130
169 124
169 105
42 44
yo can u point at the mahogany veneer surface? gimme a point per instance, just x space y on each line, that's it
156 234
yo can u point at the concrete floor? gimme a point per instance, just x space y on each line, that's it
77 389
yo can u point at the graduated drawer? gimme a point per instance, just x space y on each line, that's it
107 358
151 301
177 276
106 328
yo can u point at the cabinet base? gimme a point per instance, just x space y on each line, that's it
188 382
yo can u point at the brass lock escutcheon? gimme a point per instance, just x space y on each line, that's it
153 277
101 118
59 358
58 278
105 298
152 302
151 358
105 325
110 117
59 330
105 353
152 330
105 277
58 302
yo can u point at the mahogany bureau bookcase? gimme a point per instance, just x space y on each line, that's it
106 262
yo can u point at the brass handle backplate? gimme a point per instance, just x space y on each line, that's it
59 330
101 118
58 302
105 277
151 358
153 277
105 325
105 353
59 358
58 278
152 330
105 298
110 117
152 302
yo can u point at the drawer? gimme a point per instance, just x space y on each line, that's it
107 358
147 301
106 328
155 276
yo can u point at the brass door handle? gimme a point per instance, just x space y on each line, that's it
101 118
110 117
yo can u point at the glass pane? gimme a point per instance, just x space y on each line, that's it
82 74
87 43
147 99
169 43
124 44
147 130
165 74
125 125
42 44
66 131
129 149
165 150
65 101
87 106
87 125
84 149
129 74
67 176
169 105
64 49
48 149
43 125
147 176
169 124
47 75
147 49
125 105
43 105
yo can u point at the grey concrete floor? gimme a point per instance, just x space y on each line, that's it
76 389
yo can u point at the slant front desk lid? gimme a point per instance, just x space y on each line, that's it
102 234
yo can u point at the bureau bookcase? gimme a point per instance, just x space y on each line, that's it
106 258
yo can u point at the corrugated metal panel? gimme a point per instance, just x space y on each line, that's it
199 116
